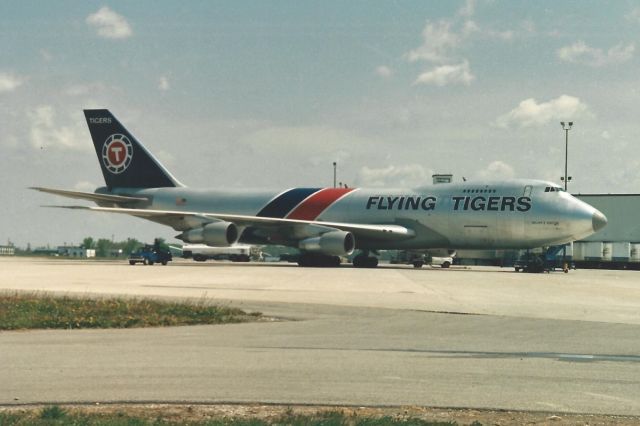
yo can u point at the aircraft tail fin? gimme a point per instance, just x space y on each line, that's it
124 161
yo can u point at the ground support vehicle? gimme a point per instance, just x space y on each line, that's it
149 255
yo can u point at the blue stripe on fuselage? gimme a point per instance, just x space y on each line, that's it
284 203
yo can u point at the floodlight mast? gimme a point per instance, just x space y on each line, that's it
566 127
335 164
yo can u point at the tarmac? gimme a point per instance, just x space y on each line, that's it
476 337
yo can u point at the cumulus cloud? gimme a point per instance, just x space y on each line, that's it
531 113
634 15
384 71
163 83
9 82
497 170
46 55
468 9
439 40
46 130
109 24
442 42
405 176
447 74
581 53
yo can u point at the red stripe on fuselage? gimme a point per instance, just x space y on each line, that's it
313 206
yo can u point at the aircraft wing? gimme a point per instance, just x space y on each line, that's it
296 229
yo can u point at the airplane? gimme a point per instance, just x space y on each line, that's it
326 223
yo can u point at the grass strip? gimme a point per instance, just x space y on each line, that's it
19 311
55 415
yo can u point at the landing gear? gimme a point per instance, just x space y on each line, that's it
363 260
318 260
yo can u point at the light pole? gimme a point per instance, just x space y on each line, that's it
566 127
334 173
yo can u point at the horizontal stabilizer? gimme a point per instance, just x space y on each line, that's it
91 196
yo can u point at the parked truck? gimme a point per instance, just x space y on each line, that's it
150 255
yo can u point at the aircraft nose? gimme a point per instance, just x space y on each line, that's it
598 221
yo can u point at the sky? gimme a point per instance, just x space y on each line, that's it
268 94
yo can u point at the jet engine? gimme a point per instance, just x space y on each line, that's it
335 243
212 234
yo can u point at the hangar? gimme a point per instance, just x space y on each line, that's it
618 243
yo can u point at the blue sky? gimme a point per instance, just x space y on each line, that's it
269 94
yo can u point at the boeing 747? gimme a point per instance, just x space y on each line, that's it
325 223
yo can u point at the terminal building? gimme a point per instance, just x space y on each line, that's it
618 243
7 250
75 251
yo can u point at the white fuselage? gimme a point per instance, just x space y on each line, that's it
511 214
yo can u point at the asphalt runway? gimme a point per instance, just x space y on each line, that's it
477 337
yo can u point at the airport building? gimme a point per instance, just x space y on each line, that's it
618 243
74 251
7 251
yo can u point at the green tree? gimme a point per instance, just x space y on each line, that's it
161 244
103 247
130 246
88 243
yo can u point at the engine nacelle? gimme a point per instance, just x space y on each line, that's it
212 234
335 243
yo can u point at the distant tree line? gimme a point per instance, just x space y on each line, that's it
105 247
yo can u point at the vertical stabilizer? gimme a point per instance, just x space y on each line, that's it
125 163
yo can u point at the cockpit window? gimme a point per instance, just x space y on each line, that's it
553 189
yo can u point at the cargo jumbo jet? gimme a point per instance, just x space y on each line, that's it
325 223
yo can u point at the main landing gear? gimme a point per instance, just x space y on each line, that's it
309 259
363 260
